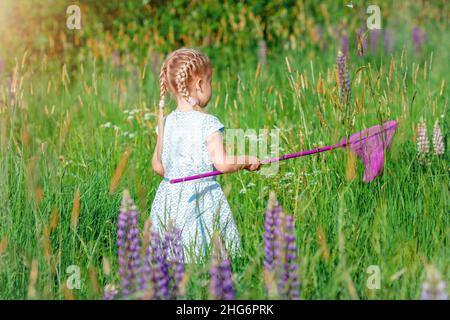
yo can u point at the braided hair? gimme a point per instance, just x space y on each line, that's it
177 72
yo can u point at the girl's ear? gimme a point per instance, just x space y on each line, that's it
199 84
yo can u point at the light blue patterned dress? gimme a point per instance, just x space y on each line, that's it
199 207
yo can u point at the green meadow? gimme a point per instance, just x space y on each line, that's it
77 126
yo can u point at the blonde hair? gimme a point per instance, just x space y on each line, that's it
179 69
177 73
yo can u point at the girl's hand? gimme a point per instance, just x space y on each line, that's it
253 164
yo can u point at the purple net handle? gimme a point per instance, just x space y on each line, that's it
285 157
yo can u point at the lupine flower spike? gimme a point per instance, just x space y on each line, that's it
344 80
221 285
280 260
272 244
374 40
159 267
128 245
418 37
434 287
289 283
438 141
423 144
175 260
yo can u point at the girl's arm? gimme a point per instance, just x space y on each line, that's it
156 163
156 160
225 163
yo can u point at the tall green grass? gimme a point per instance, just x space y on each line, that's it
54 142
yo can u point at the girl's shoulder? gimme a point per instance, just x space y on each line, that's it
211 124
208 123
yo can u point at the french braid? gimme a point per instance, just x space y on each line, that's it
176 72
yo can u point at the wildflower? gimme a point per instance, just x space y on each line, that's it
374 40
280 252
243 191
344 80
106 125
175 260
418 37
272 223
423 145
434 287
109 292
221 285
128 245
288 282
159 267
438 141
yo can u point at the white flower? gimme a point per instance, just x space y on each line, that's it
438 141
423 145
250 184
243 191
106 125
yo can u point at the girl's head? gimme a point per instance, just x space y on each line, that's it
186 73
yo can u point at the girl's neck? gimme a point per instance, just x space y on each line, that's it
184 106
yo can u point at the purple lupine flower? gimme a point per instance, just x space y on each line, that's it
388 43
418 37
361 41
438 140
262 52
272 223
109 292
344 44
221 284
146 271
175 260
344 80
374 40
434 287
159 267
128 245
288 282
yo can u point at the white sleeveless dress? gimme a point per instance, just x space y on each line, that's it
199 207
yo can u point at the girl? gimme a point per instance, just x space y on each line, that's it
190 142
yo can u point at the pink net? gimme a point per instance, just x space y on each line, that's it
370 146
